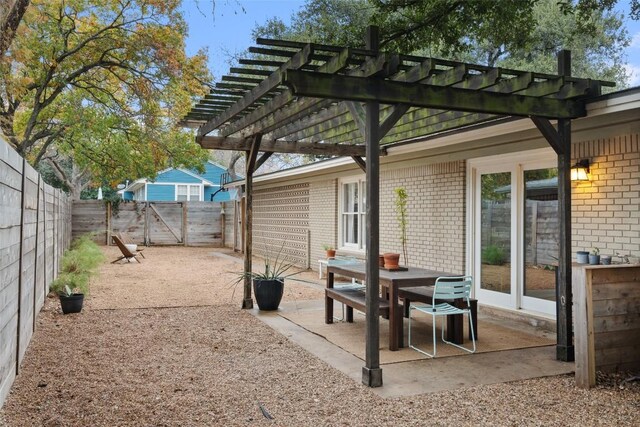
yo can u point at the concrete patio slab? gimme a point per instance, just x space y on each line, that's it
423 376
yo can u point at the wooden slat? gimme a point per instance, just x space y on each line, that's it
334 65
271 82
238 144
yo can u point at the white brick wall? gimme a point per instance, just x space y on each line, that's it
606 210
436 210
323 207
281 222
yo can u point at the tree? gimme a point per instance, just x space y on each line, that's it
453 26
103 83
337 22
596 54
11 13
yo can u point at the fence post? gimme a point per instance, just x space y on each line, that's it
20 262
184 223
108 231
222 223
35 265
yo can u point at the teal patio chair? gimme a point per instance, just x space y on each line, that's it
353 285
446 289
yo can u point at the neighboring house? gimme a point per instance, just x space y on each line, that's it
473 197
180 185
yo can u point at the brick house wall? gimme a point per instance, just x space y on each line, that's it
606 210
323 225
281 222
436 215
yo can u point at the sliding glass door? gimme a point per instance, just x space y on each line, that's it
514 230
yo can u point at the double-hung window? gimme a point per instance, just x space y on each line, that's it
186 192
352 214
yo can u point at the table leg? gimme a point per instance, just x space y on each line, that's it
328 302
455 324
395 320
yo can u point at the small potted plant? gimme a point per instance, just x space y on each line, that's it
71 289
582 257
402 198
594 256
331 251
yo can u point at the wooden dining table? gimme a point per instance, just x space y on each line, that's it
391 281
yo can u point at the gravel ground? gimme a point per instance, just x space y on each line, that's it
210 365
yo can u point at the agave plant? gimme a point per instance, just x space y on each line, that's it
274 269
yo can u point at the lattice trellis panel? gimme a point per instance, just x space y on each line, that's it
281 223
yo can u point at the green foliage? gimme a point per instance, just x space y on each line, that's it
338 22
79 263
595 251
493 255
597 54
104 83
275 268
482 31
400 203
327 247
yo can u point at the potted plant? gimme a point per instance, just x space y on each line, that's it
70 288
594 256
582 257
331 251
78 265
401 200
268 285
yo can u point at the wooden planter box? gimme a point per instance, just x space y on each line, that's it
606 303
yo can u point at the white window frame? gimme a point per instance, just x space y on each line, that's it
189 186
360 245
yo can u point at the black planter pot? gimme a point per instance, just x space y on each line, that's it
268 293
71 304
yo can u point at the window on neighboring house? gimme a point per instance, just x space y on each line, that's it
194 193
186 192
181 193
352 214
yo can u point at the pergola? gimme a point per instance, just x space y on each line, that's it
330 100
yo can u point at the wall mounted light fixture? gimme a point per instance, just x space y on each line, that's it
580 171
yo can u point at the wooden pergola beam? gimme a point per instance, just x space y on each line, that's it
315 148
265 86
306 83
360 162
334 65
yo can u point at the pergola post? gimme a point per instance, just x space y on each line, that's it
371 372
564 299
250 157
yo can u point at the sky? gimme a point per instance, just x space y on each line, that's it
226 30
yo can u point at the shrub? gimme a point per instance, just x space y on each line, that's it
493 255
78 265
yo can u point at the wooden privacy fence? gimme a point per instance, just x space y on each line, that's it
541 231
152 223
35 230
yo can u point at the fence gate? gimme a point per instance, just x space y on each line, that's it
164 223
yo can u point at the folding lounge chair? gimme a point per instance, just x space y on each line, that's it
126 253
129 241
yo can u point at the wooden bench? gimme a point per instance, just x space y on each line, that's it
425 294
352 298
